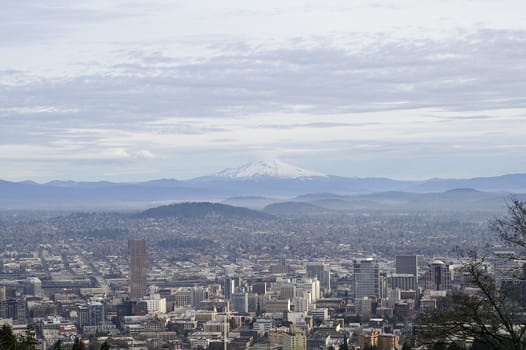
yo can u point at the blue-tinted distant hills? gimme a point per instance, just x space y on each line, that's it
506 183
275 183
273 186
456 200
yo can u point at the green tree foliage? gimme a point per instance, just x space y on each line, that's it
439 346
406 346
456 346
28 340
10 341
494 316
7 338
58 345
77 345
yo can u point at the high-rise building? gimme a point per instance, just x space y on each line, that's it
366 278
260 288
407 264
387 341
287 291
310 288
198 294
153 303
403 281
239 301
438 277
137 274
14 309
32 286
96 313
323 273
231 283
506 268
294 340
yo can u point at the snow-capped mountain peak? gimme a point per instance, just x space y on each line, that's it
273 168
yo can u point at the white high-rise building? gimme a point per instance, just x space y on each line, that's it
312 286
154 303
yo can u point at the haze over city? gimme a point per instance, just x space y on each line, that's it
262 175
133 91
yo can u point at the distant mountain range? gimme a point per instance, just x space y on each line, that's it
262 182
460 200
273 168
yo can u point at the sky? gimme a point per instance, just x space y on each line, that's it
136 90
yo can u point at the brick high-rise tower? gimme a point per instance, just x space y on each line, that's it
137 272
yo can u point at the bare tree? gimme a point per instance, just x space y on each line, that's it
493 315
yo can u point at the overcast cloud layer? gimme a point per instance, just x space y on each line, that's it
176 89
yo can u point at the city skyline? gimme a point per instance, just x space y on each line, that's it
132 91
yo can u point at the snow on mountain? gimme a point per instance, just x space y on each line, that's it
273 168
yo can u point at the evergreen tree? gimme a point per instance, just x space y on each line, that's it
406 346
344 346
7 338
28 341
78 345
10 341
58 345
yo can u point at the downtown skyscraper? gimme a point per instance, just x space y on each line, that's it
366 278
322 272
137 271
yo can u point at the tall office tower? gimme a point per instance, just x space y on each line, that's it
506 268
287 291
407 264
137 274
239 301
323 273
231 283
260 288
14 309
366 278
198 294
310 289
403 281
438 277
91 314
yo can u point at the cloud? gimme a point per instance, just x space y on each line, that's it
305 97
474 72
144 154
